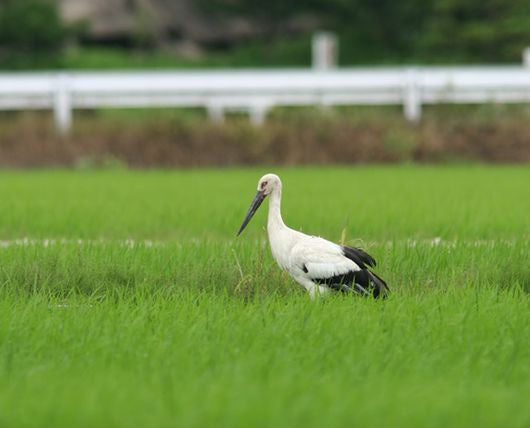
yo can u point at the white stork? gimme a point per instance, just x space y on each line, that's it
317 264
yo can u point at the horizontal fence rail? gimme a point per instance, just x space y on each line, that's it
257 91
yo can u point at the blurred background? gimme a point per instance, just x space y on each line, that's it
48 117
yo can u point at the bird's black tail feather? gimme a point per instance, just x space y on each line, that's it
379 287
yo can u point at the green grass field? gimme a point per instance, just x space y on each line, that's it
126 300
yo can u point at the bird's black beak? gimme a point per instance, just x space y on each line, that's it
256 202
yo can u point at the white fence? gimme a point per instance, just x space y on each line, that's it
257 91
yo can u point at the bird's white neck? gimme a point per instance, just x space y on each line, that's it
275 220
280 236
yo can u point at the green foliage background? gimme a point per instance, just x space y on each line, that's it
31 33
416 31
413 30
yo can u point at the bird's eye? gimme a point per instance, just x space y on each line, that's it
263 184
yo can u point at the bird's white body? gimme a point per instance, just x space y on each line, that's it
315 263
295 250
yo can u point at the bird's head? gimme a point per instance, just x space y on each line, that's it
266 185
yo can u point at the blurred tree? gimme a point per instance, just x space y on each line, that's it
272 15
371 31
368 30
31 34
383 31
389 31
477 30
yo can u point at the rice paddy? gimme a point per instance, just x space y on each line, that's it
126 300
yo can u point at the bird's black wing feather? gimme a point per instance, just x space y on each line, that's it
353 281
340 282
359 256
362 281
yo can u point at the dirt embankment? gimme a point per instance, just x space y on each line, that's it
301 138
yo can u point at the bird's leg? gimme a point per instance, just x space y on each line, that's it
317 291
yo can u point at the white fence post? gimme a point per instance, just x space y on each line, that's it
526 57
62 104
412 96
324 51
216 113
257 114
